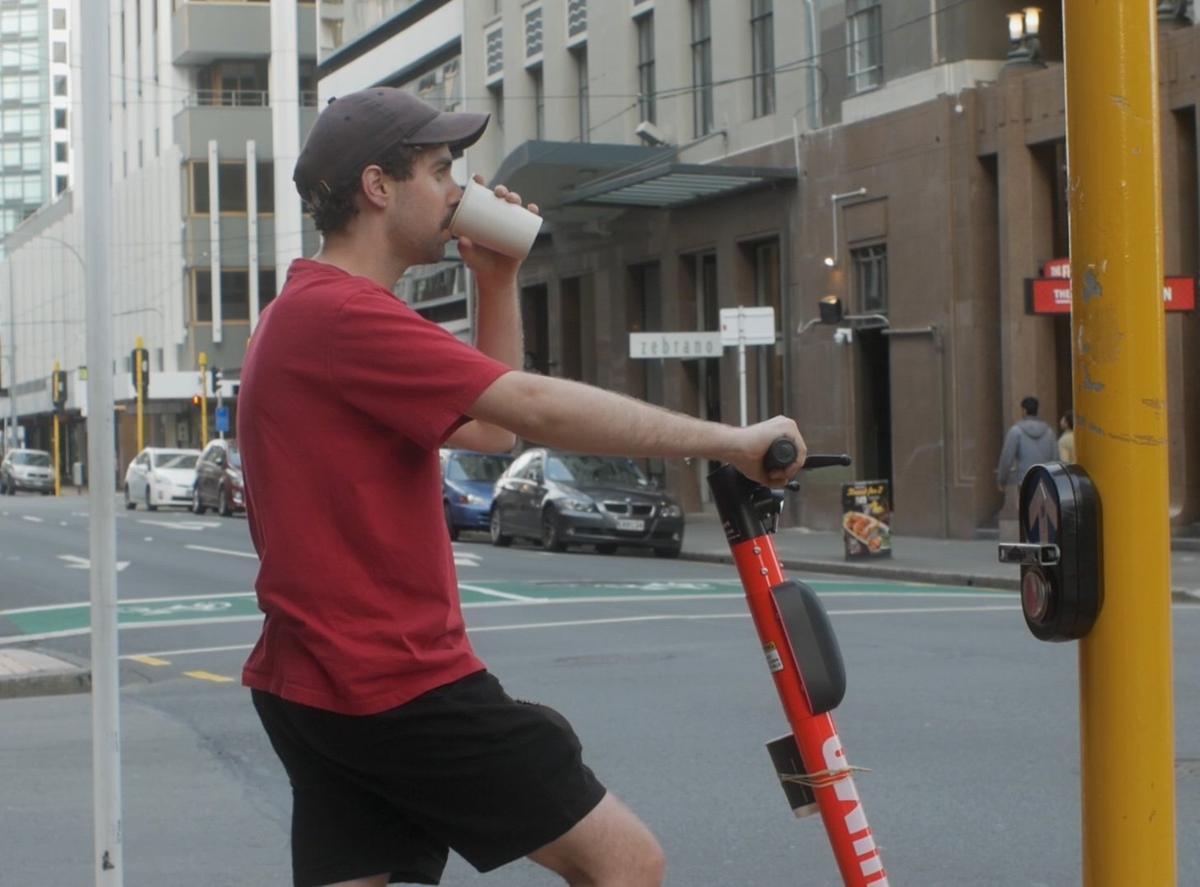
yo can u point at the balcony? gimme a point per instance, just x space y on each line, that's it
232 117
202 32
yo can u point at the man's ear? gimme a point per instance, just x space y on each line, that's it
375 186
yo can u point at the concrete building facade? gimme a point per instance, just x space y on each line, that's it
195 242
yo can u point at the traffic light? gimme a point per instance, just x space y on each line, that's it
196 400
140 356
215 374
58 389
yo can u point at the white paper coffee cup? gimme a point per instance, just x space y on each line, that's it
493 222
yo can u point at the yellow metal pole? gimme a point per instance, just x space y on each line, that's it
138 345
203 399
1117 331
57 456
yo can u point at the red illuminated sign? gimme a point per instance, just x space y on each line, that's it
1052 294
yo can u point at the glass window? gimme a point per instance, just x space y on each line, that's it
581 79
60 84
476 466
33 189
10 55
702 95
870 278
31 89
495 53
11 154
60 152
539 103
31 122
595 471
60 19
645 41
533 32
576 17
235 295
60 184
60 52
864 41
762 50
174 460
60 118
10 89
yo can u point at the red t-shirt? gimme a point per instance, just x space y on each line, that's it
346 394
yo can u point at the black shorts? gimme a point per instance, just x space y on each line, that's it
464 766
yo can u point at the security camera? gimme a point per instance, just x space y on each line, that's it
651 135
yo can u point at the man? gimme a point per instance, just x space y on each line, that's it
1028 442
397 741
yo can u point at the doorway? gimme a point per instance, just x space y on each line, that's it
536 322
873 400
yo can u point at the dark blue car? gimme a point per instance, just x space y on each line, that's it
467 482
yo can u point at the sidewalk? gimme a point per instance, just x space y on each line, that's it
969 562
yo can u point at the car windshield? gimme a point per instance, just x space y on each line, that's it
174 460
595 471
476 466
40 460
235 458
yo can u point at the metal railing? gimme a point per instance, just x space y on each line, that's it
242 98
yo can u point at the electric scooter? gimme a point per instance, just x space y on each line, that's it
804 659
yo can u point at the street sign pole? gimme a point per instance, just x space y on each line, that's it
741 347
1119 362
140 385
108 859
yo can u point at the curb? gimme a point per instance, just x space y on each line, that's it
45 675
906 574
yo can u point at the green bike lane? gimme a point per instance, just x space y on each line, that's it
66 620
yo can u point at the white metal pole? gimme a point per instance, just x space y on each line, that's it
742 363
102 540
284 74
12 353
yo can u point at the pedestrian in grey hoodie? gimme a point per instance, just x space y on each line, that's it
1029 441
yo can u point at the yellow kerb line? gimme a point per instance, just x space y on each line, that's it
149 660
208 676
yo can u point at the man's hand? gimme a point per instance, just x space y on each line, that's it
492 269
752 443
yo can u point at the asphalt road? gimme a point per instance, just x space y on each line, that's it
967 725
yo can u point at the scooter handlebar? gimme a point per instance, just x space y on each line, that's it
783 453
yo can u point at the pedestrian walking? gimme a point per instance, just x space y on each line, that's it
1029 441
1066 440
399 744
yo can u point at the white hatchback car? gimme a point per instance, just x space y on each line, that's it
160 476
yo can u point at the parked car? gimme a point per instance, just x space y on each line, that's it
468 480
160 476
566 499
219 479
26 470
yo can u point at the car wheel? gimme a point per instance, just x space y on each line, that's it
223 506
551 541
10 487
673 551
607 548
129 503
450 528
494 528
150 506
197 505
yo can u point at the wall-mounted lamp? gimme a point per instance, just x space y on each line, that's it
831 312
832 260
1023 30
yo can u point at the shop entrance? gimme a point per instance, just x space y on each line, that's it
873 400
535 319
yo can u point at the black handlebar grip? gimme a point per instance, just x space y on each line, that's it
781 454
824 460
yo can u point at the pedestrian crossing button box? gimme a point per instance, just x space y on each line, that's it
1059 551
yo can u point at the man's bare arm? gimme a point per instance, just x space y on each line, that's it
580 417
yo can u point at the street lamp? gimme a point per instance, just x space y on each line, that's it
1023 29
832 259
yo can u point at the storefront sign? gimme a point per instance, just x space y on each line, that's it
1051 293
867 518
685 346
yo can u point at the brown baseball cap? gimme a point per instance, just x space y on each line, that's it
354 130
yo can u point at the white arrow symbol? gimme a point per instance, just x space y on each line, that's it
74 562
1043 514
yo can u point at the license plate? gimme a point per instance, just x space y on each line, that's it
627 524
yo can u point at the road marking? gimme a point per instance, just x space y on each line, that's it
74 562
227 551
148 539
31 519
191 525
62 523
209 676
506 595
147 660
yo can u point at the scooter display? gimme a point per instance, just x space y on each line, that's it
805 662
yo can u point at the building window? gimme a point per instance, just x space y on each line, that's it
60 84
60 118
645 41
576 20
533 34
764 256
60 52
864 44
235 293
60 19
60 185
60 152
494 40
702 91
762 51
870 278
539 102
231 182
581 77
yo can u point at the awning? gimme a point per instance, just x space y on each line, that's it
672 185
594 174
